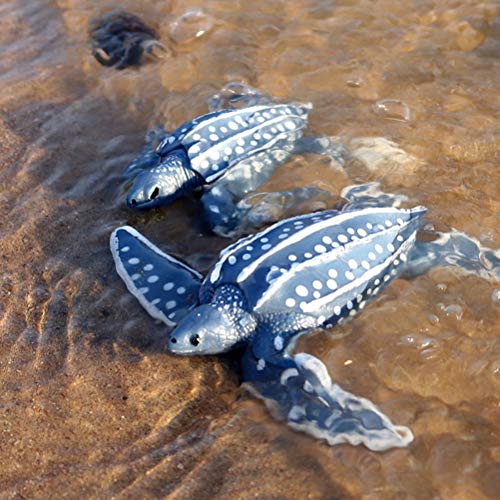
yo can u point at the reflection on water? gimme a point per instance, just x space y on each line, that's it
89 401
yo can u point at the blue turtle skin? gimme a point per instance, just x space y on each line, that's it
147 158
266 290
229 153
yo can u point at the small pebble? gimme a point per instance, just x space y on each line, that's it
467 38
383 157
456 102
120 39
393 109
495 367
354 82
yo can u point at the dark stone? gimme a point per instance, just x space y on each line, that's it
119 39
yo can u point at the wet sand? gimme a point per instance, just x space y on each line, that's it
90 403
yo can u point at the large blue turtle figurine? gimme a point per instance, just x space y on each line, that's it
269 288
229 153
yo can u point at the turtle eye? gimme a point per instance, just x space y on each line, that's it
195 340
155 193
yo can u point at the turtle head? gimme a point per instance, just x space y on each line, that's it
216 327
163 183
207 330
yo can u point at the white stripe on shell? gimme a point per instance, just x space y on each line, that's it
313 228
246 134
330 257
220 117
232 114
248 240
364 278
124 275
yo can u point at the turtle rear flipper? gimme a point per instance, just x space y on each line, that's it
330 412
299 389
165 287
453 249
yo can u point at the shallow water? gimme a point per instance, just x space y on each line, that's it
90 403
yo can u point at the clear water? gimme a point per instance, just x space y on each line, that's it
90 404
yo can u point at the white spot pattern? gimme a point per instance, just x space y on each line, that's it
278 343
331 284
317 284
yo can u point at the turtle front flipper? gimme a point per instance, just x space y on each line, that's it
147 158
299 389
165 287
221 214
231 207
222 210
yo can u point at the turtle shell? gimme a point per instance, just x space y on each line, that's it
322 264
216 141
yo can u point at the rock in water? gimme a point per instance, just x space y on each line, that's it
120 39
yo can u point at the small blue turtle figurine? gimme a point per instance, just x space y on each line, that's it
269 288
229 152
